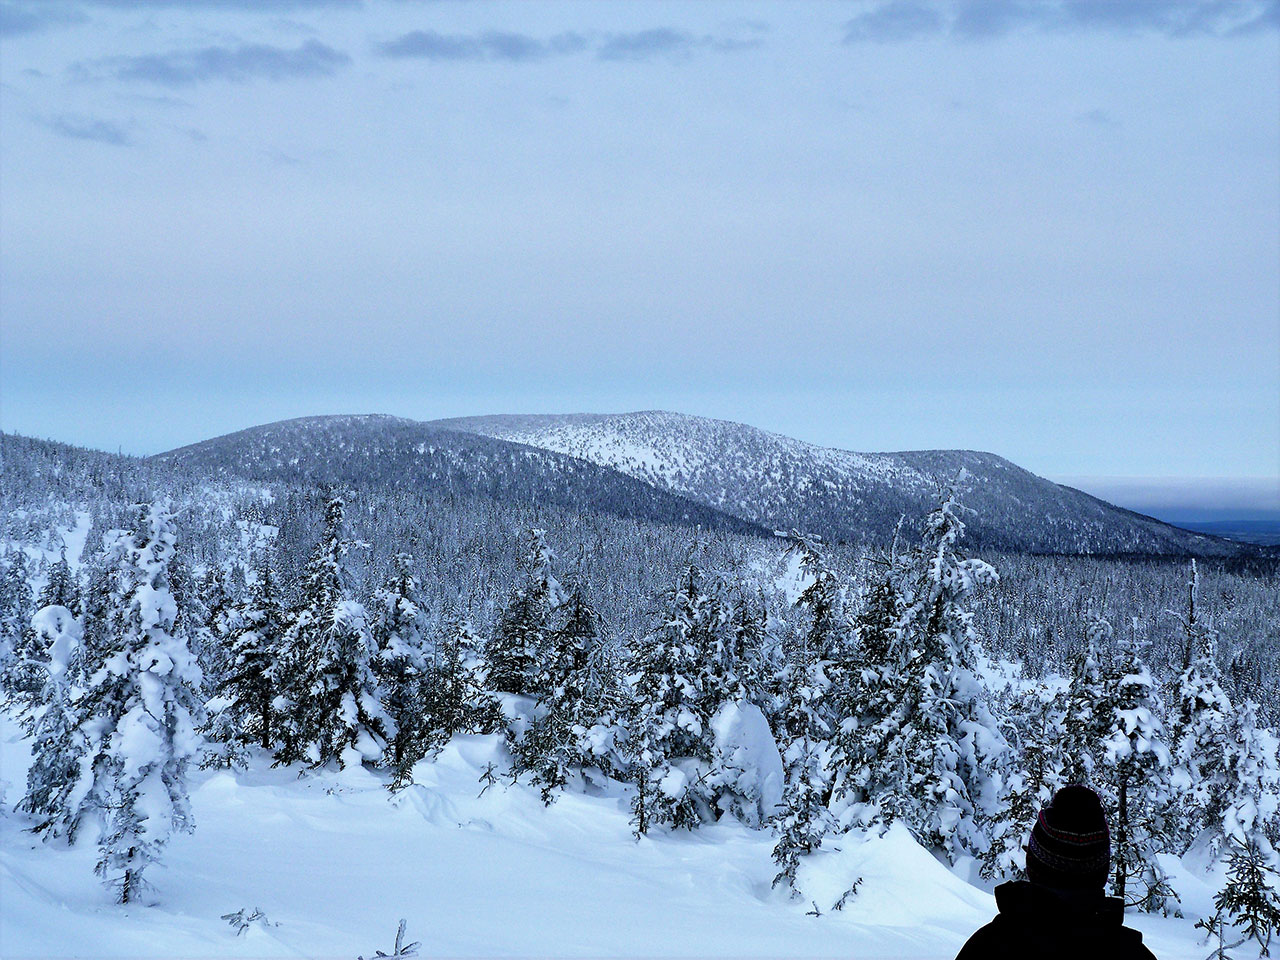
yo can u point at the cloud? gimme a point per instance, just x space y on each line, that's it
17 17
181 68
252 6
645 44
664 42
90 128
979 19
1098 118
495 45
490 45
896 20
883 21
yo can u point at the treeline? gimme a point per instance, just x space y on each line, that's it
871 703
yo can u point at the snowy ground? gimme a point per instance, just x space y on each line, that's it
334 862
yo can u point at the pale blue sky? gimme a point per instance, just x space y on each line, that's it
1050 230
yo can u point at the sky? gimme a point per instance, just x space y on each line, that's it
1046 229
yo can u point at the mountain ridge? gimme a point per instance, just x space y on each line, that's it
693 471
782 482
412 456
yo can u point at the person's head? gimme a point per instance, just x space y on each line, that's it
1070 847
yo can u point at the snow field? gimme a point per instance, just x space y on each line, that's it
334 861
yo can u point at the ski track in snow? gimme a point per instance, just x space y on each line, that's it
334 862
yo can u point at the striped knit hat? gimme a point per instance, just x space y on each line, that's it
1070 846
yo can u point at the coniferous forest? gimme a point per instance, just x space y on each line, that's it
163 623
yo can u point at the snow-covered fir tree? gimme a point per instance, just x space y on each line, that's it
23 666
456 699
746 696
1202 718
58 745
864 709
16 602
1085 720
758 654
671 743
402 668
330 711
1034 773
246 708
60 588
574 722
805 817
1251 775
512 652
827 639
1249 901
212 612
1133 770
101 603
937 771
140 713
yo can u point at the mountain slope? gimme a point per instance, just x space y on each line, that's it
842 495
403 455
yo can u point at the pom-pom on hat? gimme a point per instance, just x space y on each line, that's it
1070 846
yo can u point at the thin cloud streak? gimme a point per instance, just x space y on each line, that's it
90 128
182 68
492 46
18 18
893 21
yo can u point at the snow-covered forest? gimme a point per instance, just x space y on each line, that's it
500 720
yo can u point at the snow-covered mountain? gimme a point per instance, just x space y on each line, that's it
425 460
783 483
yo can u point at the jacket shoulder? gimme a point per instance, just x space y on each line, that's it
1001 940
988 941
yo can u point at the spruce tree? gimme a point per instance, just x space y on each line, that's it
402 669
805 817
575 698
1249 899
865 709
1085 721
1251 773
250 682
943 748
1134 768
1037 725
456 699
512 652
23 667
758 655
671 744
16 602
213 612
141 712
330 711
58 745
60 588
1200 732
101 604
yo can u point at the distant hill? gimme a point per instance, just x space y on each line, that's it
782 483
1245 531
394 454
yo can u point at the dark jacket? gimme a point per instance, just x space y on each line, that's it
1040 923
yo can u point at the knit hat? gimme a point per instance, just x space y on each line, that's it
1070 846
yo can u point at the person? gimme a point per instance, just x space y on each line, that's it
1061 909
